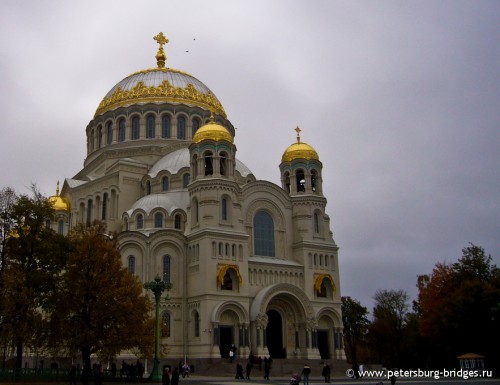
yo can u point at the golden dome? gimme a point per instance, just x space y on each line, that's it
212 131
58 203
160 85
299 150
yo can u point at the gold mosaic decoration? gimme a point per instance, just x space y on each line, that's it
165 92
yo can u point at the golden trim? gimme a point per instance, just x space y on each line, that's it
165 92
319 280
222 271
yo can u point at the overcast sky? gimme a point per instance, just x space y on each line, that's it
401 100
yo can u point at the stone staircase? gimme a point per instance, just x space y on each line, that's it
280 367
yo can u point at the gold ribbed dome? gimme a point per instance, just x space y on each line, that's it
59 203
212 131
299 150
160 85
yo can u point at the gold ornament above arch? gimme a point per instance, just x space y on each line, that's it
222 271
319 280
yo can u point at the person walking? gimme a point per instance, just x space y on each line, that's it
267 368
165 378
174 380
248 369
326 372
239 371
306 371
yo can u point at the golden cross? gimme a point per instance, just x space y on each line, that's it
161 39
298 134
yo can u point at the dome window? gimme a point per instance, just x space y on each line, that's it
185 180
223 163
314 179
121 130
224 209
104 206
165 183
158 220
140 222
150 127
135 128
109 133
148 187
181 128
196 125
99 137
60 227
316 223
177 222
165 126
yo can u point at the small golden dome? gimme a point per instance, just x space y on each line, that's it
299 150
58 203
212 131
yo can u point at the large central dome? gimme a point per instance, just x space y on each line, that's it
158 85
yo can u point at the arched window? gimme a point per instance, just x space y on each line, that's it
104 205
158 220
135 128
222 163
125 223
181 127
165 126
121 130
140 221
131 264
150 127
185 180
301 181
287 182
164 183
224 209
60 227
316 223
166 268
194 164
177 221
99 137
196 324
90 140
196 125
227 284
148 187
109 134
209 167
314 179
263 232
167 322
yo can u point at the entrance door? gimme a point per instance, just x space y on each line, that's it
274 335
226 340
324 348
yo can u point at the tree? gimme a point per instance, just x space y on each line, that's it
387 330
458 304
32 258
100 306
354 318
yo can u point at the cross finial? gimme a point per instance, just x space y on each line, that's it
160 56
57 189
298 134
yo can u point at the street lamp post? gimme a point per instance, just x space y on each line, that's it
157 287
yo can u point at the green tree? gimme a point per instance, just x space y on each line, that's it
458 304
354 318
101 307
33 256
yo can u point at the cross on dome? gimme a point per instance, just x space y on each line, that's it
160 56
298 134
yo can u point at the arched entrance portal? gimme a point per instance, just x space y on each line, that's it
274 335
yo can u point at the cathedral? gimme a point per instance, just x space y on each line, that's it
252 263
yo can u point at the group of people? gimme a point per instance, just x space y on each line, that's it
171 377
306 372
